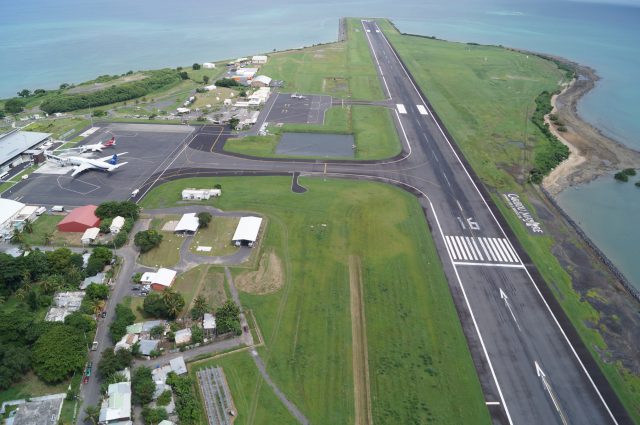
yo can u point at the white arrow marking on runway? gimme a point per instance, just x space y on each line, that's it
547 387
506 302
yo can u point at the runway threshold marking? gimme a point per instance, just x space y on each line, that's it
465 249
422 110
401 108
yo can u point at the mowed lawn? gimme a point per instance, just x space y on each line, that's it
419 363
372 127
217 236
255 402
341 70
166 254
485 96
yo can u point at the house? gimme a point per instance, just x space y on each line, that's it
259 59
166 422
147 346
116 409
159 280
209 325
126 342
178 365
37 411
183 336
188 224
79 219
200 194
246 72
261 95
208 65
116 225
89 235
261 81
64 303
247 231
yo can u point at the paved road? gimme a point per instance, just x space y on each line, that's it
532 365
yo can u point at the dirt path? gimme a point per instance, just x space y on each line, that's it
361 388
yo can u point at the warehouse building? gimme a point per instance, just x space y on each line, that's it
190 194
247 231
261 81
188 224
80 219
208 65
13 215
14 144
259 59
159 280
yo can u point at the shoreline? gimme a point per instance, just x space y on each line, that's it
593 154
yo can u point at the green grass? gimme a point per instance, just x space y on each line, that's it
338 69
218 236
69 406
372 126
214 289
188 284
167 254
59 126
424 371
485 96
31 386
254 400
46 223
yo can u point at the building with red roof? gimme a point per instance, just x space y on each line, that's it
80 219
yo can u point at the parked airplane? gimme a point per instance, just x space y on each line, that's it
97 147
108 163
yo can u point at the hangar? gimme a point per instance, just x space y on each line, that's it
80 219
247 231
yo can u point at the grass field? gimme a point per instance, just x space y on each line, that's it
31 386
420 366
485 96
59 126
167 254
189 284
255 402
218 236
372 127
46 223
337 69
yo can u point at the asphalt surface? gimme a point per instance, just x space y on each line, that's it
531 363
308 110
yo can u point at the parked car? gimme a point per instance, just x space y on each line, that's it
103 314
135 288
85 380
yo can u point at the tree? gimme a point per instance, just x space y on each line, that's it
146 240
204 218
142 386
111 209
80 321
64 86
24 93
228 318
14 106
184 75
186 399
17 237
227 82
58 352
28 226
200 307
164 399
15 361
154 305
153 416
196 66
205 79
173 301
96 291
51 284
197 334
100 257
124 317
96 306
110 362
39 92
233 122
92 414
156 332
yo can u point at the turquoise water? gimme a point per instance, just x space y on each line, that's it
44 43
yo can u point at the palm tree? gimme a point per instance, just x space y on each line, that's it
28 226
200 303
97 306
93 414
51 284
47 237
174 304
168 293
17 237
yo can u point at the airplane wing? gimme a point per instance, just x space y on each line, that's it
81 168
107 158
117 166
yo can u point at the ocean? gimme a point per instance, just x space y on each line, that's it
45 43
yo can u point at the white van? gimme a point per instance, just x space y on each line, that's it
41 211
57 208
4 175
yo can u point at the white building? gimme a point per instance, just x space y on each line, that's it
116 225
200 194
188 224
208 65
159 280
247 231
90 235
246 72
64 303
178 366
183 336
261 81
210 87
209 325
15 143
117 407
9 210
259 59
261 95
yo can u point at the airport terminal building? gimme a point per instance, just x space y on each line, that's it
15 144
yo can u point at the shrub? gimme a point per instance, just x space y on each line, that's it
186 399
146 240
124 317
629 171
142 386
562 129
14 106
621 176
204 218
227 82
164 399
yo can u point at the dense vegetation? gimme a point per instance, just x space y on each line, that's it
186 399
111 209
124 317
165 305
58 352
624 175
228 318
146 240
142 386
155 80
547 155
99 258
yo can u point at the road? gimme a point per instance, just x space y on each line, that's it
532 365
